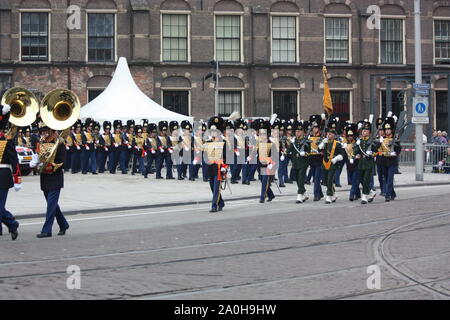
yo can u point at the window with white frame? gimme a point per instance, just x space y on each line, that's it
228 38
284 39
101 37
229 101
442 41
391 41
34 36
175 37
337 39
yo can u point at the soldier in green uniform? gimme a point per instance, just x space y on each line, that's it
332 154
365 151
298 152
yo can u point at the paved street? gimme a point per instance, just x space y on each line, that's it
278 250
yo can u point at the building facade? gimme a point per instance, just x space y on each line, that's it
271 52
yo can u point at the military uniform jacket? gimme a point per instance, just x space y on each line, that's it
299 145
213 167
327 152
8 155
266 149
315 154
350 153
187 142
88 140
55 181
366 162
106 141
163 143
152 144
141 143
77 139
388 145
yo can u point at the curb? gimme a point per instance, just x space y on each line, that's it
189 203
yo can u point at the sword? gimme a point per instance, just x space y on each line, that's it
276 183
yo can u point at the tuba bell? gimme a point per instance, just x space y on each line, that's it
60 109
24 107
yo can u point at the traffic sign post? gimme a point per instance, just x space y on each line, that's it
420 110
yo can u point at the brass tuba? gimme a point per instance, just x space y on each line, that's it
24 107
59 110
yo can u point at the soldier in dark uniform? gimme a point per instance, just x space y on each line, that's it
365 151
52 179
379 125
186 143
198 159
215 155
332 154
298 152
9 174
351 159
285 143
116 147
316 122
104 150
152 148
125 148
252 161
89 159
390 149
140 153
268 166
129 138
77 140
164 151
240 141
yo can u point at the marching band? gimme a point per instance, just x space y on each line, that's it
227 150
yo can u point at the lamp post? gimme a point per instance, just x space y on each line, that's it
418 62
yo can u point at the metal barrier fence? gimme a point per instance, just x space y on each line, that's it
433 153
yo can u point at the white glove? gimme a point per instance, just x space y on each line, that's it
282 158
293 140
34 160
223 170
87 148
321 145
302 153
17 187
325 141
195 162
186 148
381 139
153 151
345 145
106 149
78 148
238 153
67 148
270 166
352 161
162 150
336 159
393 154
369 153
116 145
136 147
249 159
358 142
170 151
129 147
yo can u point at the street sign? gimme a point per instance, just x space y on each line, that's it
423 86
423 92
420 111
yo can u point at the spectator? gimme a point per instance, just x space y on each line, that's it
435 139
444 135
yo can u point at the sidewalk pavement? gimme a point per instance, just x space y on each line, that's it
106 192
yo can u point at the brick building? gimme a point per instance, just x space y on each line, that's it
271 52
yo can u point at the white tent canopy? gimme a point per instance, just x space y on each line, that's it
123 100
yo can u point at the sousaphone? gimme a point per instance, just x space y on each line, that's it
24 106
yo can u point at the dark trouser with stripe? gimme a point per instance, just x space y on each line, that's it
366 177
53 211
317 175
380 173
354 177
5 216
266 190
328 177
388 172
300 175
217 200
